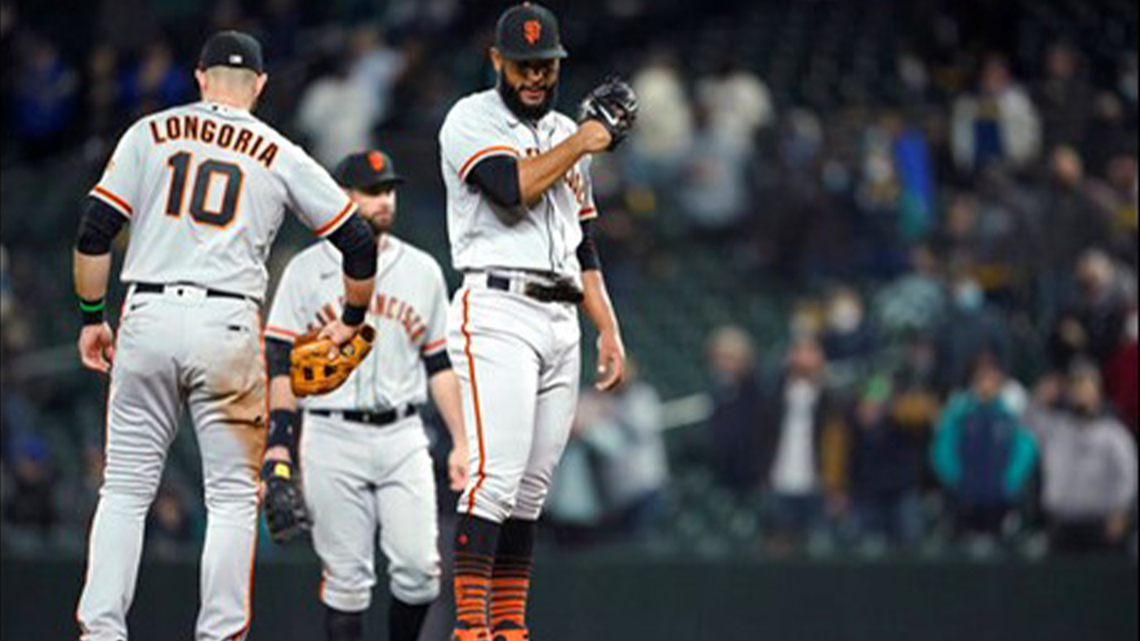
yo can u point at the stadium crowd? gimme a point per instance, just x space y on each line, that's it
953 251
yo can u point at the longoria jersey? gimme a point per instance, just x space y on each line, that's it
408 309
546 239
205 188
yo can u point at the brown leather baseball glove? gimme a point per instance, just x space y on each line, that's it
314 373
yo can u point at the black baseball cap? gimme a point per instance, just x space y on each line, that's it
529 32
232 49
366 169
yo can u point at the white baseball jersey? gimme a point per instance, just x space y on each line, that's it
546 239
408 310
205 188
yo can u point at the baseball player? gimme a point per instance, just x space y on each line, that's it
364 453
520 208
204 187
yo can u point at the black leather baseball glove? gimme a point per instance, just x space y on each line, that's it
615 106
286 515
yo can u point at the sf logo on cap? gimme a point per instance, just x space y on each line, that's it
532 31
376 159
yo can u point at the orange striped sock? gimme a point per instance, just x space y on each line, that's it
474 562
510 580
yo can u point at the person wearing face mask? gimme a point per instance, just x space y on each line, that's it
1089 463
969 329
847 335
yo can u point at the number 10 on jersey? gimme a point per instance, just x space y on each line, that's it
207 173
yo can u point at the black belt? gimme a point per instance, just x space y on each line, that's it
561 290
377 419
157 288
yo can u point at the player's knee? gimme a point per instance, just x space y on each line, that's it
417 584
531 499
346 596
493 500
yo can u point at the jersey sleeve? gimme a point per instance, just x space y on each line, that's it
287 316
119 185
314 196
469 137
435 338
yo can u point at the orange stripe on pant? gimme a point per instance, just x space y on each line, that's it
482 472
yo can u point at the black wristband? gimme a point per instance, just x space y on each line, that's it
91 311
353 315
281 423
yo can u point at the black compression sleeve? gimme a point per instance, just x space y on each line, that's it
436 363
498 178
98 228
277 354
357 246
588 249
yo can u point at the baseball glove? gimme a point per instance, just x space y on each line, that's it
615 106
286 516
313 372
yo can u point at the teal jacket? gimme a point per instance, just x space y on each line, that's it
983 452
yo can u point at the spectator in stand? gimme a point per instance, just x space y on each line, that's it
664 132
1111 132
102 94
713 188
156 82
737 102
915 302
1089 463
1063 97
31 506
1122 377
625 437
1072 221
997 124
335 113
983 454
1119 195
44 104
847 333
885 467
1093 322
734 427
376 67
802 450
970 329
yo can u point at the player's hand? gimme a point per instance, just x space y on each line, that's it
339 333
611 361
595 136
97 347
457 467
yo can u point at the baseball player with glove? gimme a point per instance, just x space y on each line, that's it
364 453
204 187
520 211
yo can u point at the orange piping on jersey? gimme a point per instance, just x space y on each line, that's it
271 330
482 473
332 224
588 211
115 200
434 345
499 149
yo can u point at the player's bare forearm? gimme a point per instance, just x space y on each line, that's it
597 302
611 347
91 275
281 394
445 393
540 173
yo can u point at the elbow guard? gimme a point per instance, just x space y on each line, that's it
98 228
498 178
357 246
588 250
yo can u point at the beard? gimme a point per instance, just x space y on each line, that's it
524 111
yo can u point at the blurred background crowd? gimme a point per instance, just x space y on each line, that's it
875 260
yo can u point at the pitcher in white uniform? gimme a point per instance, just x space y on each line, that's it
519 206
204 188
364 453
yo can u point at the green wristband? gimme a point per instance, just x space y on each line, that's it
92 311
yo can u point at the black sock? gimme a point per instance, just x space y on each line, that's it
344 626
475 542
510 579
405 621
